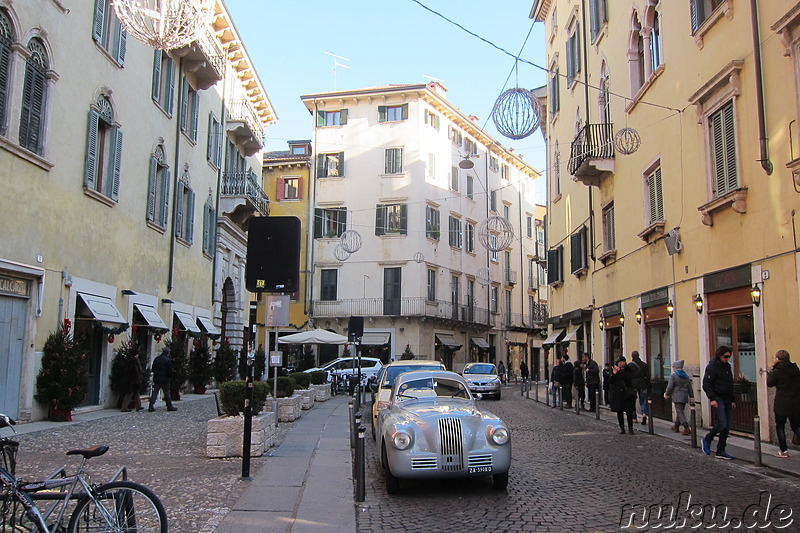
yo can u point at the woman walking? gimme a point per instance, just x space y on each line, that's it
623 395
680 390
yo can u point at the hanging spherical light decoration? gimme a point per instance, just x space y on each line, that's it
516 113
495 233
340 253
165 24
351 241
419 257
627 141
483 276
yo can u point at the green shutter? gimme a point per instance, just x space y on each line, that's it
403 219
380 220
343 117
165 185
405 111
5 68
210 141
169 103
122 43
115 163
731 174
206 236
320 118
195 117
381 113
155 91
179 210
190 218
718 147
183 115
99 19
90 168
321 171
317 223
152 188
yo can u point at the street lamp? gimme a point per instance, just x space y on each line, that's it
755 294
638 316
670 308
698 303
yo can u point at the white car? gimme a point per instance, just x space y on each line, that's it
342 368
383 386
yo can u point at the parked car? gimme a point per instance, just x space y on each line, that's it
382 386
432 428
342 368
482 379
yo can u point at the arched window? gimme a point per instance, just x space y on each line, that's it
636 59
158 189
184 209
604 97
655 42
34 95
103 150
6 39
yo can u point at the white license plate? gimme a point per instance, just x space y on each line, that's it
479 469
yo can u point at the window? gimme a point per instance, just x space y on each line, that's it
701 11
107 31
506 212
430 168
470 187
554 100
506 174
508 307
454 178
330 165
328 282
470 237
330 222
103 151
597 17
454 294
609 239
494 163
392 113
555 258
432 224
604 98
456 232
556 173
184 210
392 290
529 226
431 294
158 189
637 67
456 137
433 120
655 197
301 149
331 118
190 108
394 161
6 39
655 42
494 296
578 248
573 55
34 97
493 249
493 200
391 219
214 145
209 227
722 135
288 188
163 90
471 147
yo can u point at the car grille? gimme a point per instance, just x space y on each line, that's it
480 460
452 448
423 463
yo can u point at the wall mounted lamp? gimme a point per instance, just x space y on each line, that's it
600 322
622 320
166 301
638 316
128 292
698 303
670 308
755 294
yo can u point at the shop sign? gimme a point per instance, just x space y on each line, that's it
612 309
727 279
14 286
656 297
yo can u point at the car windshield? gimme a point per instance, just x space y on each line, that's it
481 369
393 371
432 388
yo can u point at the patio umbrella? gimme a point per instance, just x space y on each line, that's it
314 336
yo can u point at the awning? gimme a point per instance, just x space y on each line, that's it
572 332
373 338
151 316
553 336
207 325
102 308
187 321
517 337
480 342
448 340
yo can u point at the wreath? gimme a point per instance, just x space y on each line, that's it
111 331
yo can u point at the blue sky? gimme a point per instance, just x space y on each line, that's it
391 42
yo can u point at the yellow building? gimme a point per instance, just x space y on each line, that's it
673 185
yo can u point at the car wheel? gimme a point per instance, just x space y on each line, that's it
392 482
500 481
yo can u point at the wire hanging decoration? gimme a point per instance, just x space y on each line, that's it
419 257
483 276
165 24
340 253
627 141
516 113
495 233
351 241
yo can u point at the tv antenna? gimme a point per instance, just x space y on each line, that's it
433 79
336 64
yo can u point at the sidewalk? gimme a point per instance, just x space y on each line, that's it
740 447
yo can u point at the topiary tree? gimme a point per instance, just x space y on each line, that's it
200 366
225 362
61 382
233 393
177 348
407 353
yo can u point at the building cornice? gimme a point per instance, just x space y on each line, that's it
540 10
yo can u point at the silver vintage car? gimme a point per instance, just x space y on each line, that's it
432 428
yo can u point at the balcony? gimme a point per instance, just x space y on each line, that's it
244 127
519 321
405 307
242 197
591 156
541 254
510 276
203 60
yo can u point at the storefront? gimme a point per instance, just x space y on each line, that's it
611 323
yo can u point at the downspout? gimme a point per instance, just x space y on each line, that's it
175 180
312 180
219 181
766 164
590 244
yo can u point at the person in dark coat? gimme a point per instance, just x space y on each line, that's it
592 380
566 379
679 390
523 371
580 384
555 381
501 371
785 377
133 382
641 382
162 373
718 386
606 383
623 395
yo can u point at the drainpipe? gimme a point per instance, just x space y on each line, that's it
175 179
312 202
590 244
219 182
766 164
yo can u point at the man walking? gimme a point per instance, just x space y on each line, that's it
566 379
592 380
523 371
162 373
785 377
555 381
641 382
718 386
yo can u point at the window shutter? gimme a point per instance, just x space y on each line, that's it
300 188
320 118
90 169
321 166
659 195
577 55
718 147
122 44
156 88
195 116
438 122
340 164
32 108
652 197
731 181
317 223
184 105
179 206
218 139
152 182
403 219
343 117
575 252
380 220
381 113
212 231
190 218
696 13
205 228
405 111
165 184
116 162
170 96
210 141
552 271
341 218
279 189
5 64
99 18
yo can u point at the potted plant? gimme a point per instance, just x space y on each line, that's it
200 367
61 383
225 362
407 353
118 368
177 347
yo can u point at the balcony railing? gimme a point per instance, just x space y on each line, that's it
510 276
245 184
409 307
243 123
590 150
541 255
526 321
204 59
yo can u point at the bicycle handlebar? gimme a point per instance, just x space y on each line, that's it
6 421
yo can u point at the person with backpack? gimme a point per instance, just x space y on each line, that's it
679 390
641 382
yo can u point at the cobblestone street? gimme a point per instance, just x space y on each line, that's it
570 474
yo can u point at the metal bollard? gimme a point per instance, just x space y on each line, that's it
650 416
360 482
577 404
536 394
757 441
597 403
560 399
693 422
356 423
352 427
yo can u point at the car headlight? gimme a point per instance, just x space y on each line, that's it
499 435
494 380
402 440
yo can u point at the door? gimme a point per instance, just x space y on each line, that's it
13 318
736 330
391 291
92 340
659 359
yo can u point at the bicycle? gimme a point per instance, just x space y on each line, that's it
117 506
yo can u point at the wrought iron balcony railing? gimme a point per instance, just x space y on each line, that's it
594 141
245 184
410 307
244 123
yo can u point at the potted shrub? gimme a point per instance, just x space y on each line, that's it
225 362
200 367
224 436
117 373
232 395
285 386
302 380
177 348
407 353
259 364
61 383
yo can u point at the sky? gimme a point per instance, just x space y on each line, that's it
398 41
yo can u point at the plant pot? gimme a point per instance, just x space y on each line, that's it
60 415
199 390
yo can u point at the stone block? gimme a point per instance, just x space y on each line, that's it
225 434
323 392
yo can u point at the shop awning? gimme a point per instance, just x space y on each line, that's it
480 342
207 325
572 332
551 339
102 308
517 337
448 340
187 321
151 316
373 338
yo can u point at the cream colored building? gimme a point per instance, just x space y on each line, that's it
673 184
129 175
402 183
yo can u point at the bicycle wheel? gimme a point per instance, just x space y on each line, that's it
119 507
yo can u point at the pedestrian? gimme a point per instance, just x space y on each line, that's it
641 382
592 380
607 371
501 371
133 382
623 394
566 380
580 384
718 386
680 390
162 374
785 377
523 371
555 382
